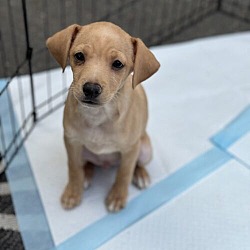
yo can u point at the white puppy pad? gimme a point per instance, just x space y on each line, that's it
241 149
214 214
199 88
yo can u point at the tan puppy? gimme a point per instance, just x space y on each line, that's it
105 114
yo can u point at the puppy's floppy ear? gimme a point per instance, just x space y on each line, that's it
145 63
59 44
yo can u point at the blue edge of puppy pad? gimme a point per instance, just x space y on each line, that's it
30 213
233 131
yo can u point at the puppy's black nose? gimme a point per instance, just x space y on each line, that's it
92 90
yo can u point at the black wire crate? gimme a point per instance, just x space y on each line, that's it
26 24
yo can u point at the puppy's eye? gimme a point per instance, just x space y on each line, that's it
117 65
79 56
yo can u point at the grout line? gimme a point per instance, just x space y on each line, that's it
4 189
8 222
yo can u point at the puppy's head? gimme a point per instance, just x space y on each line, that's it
102 56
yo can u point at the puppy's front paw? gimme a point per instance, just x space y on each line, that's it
71 197
141 178
116 199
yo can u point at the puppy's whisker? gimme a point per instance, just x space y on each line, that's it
116 96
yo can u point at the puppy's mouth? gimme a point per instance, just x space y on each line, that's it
95 102
91 102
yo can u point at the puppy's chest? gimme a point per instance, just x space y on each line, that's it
100 139
97 130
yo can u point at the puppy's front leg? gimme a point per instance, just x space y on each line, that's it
118 194
72 194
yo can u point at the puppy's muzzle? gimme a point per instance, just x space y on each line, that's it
91 92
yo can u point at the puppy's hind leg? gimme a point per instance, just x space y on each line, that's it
89 172
141 177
